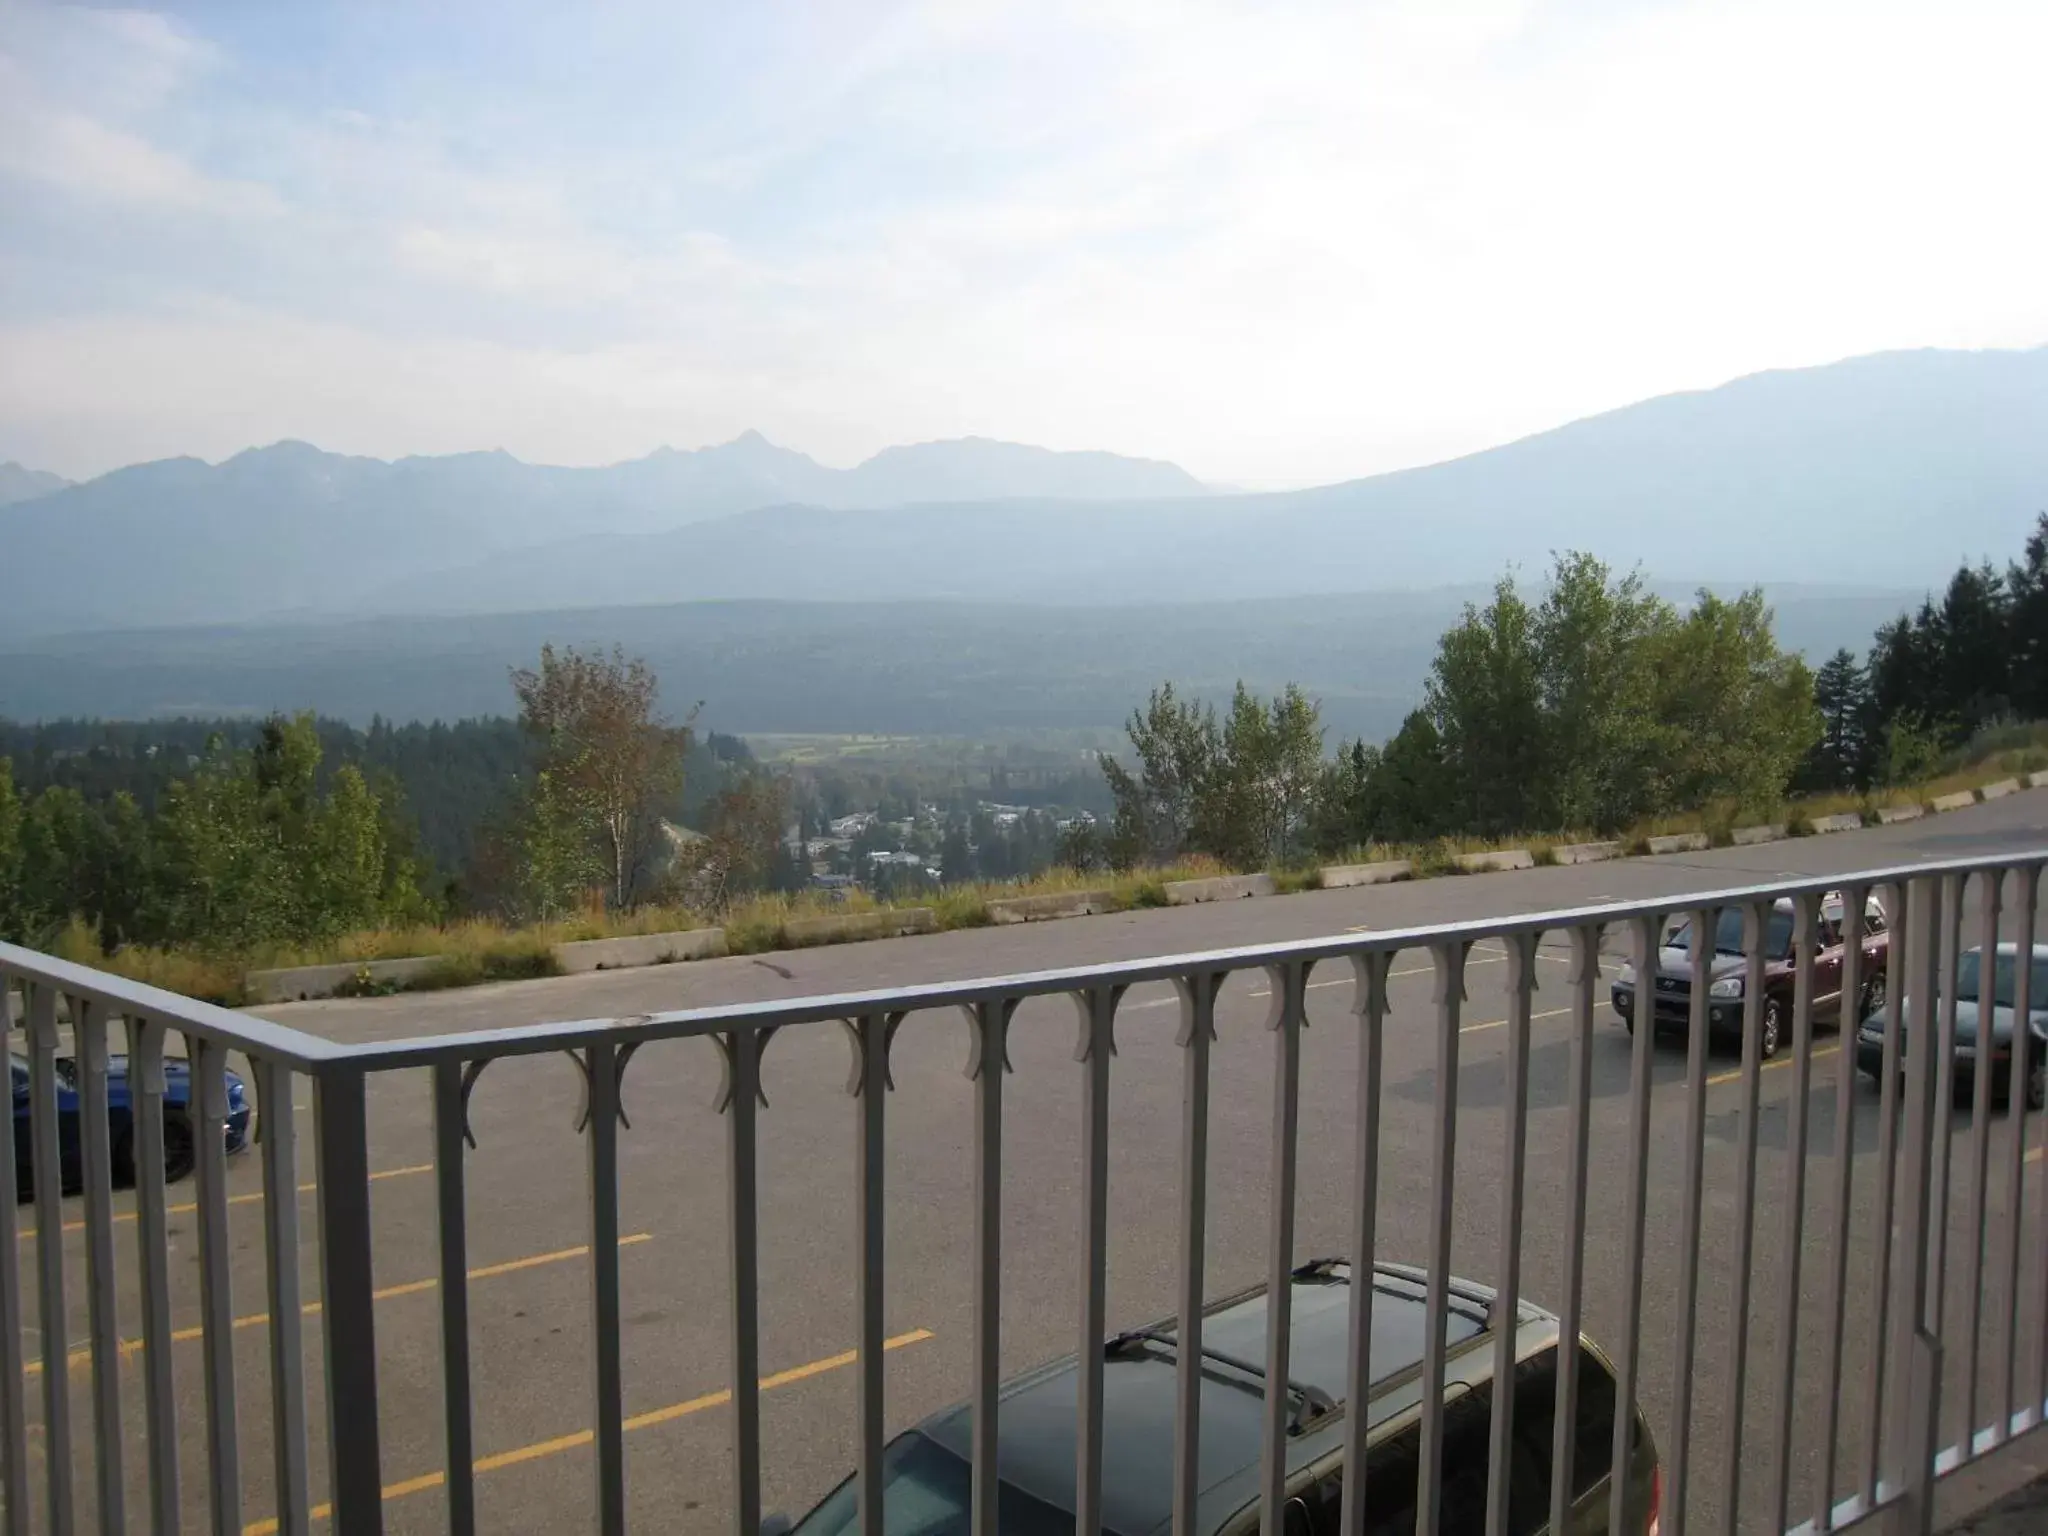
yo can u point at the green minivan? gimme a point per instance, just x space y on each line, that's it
927 1468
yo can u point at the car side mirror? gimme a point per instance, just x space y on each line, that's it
776 1525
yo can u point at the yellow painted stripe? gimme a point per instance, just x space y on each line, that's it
1734 1074
542 1449
129 1347
249 1199
1548 1013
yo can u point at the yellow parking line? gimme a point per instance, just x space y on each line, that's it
249 1199
129 1347
1734 1074
1548 1013
582 1437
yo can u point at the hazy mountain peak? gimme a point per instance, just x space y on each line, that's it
20 483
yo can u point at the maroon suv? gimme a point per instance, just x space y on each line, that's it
1725 1001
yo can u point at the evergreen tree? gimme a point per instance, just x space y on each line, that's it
1841 692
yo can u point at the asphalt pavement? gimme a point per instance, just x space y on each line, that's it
528 1208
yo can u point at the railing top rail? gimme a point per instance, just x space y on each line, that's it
728 1017
238 1031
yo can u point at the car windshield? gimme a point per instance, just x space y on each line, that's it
1728 933
2005 981
924 1493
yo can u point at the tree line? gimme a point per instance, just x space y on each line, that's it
1593 706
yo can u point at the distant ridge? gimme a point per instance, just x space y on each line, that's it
19 483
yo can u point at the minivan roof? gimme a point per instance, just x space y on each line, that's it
1039 1413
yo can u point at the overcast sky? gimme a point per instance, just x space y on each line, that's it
1278 245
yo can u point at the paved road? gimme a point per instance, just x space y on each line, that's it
529 1300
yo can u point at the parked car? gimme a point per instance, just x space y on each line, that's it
1969 1016
179 1114
927 1469
1725 1001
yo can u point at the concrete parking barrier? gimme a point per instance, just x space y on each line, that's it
2038 780
1498 859
641 949
1847 821
1183 893
1586 853
1679 842
1999 790
800 931
1955 802
295 983
1746 837
1897 813
1054 904
1338 877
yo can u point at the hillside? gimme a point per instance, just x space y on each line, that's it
19 483
290 528
1874 471
924 668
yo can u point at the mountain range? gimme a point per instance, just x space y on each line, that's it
1882 471
20 484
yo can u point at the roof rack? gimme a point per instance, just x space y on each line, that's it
1311 1403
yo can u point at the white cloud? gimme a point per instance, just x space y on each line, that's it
1277 245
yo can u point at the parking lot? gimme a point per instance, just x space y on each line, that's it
528 1208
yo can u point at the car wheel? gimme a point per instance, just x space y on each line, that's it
180 1151
124 1155
1771 1028
2037 1085
1873 994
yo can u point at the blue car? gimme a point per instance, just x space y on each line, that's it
179 1116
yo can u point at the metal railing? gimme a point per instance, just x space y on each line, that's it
1924 1301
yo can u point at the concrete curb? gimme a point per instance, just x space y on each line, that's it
2038 780
1846 821
1495 862
1185 893
1749 837
799 932
1587 853
296 983
1055 904
1999 790
1342 877
1679 842
643 949
1955 802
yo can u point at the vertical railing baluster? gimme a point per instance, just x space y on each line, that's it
96 1147
1197 992
1287 986
1705 948
451 1208
1952 887
1370 1003
1585 985
208 1102
48 1178
2025 880
1913 1402
278 1128
1521 948
989 1061
1648 933
1805 941
1097 1044
1898 922
869 1084
601 1066
1984 1058
159 1389
1756 921
1449 969
1849 1017
743 1237
347 1309
14 1469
